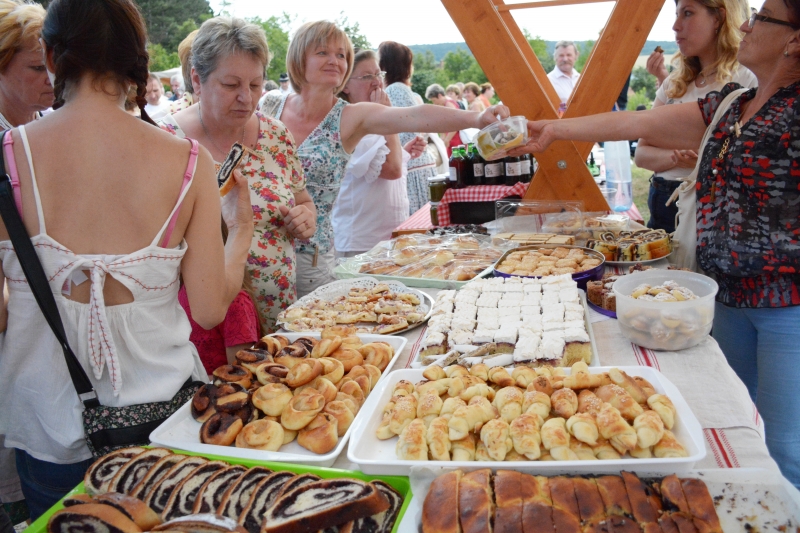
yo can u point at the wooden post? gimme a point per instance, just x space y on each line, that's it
516 74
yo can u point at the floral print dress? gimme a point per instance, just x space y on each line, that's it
275 175
421 168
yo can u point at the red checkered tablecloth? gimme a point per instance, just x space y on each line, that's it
479 193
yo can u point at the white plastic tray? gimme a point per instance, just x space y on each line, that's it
760 498
181 431
375 456
417 360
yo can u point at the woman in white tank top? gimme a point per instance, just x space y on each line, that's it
118 211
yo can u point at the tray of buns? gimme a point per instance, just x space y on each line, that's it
726 499
306 419
431 261
158 489
563 421
512 321
370 305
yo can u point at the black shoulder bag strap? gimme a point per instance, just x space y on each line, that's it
40 288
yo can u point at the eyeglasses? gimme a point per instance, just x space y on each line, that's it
370 77
755 16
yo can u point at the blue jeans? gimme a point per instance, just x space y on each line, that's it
662 216
43 483
763 347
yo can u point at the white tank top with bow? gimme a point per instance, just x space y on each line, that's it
133 353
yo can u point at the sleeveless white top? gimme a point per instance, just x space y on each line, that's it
133 353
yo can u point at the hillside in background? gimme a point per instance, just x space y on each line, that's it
440 50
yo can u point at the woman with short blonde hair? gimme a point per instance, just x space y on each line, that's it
328 129
185 55
472 92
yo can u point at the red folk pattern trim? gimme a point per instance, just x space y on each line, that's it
714 449
650 355
112 370
730 452
145 257
637 354
145 287
720 452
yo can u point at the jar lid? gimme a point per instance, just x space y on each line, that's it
436 179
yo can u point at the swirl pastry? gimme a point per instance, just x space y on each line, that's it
100 475
221 429
348 357
203 402
133 508
238 494
303 372
264 495
317 505
293 354
261 435
297 481
302 409
342 413
91 517
321 435
272 343
159 495
326 346
77 499
272 398
271 373
202 523
333 369
233 374
251 359
212 492
181 501
135 469
377 354
324 387
155 475
353 389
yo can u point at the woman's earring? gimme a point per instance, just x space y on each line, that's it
786 53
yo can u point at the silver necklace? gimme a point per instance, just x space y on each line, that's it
705 80
210 138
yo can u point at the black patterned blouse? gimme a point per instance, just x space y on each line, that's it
748 217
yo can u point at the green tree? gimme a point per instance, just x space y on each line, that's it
277 30
168 20
353 30
643 80
160 59
455 64
421 80
639 98
425 61
539 47
584 51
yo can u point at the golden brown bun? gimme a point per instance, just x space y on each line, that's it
377 354
221 429
326 346
304 372
302 409
320 435
271 373
348 357
134 508
233 374
261 435
333 369
82 517
272 398
440 512
475 495
342 413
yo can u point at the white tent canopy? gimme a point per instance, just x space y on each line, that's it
166 75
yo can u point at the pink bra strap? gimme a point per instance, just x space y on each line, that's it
187 177
8 146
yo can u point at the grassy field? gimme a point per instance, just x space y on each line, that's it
641 187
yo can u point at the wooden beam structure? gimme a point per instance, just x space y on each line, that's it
504 54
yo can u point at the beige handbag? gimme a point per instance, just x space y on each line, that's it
684 238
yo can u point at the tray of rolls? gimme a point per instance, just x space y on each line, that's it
157 489
583 419
432 261
294 398
730 500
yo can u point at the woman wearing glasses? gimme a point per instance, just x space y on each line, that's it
748 210
373 199
708 36
327 129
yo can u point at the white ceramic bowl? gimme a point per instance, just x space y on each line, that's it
666 325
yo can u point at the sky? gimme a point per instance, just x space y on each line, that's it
427 22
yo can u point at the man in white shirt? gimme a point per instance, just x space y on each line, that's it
286 87
564 76
157 104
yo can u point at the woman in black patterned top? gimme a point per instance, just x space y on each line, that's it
748 211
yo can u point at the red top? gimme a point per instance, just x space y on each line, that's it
239 327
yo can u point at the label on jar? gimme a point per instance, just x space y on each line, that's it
453 174
513 169
525 166
493 170
477 170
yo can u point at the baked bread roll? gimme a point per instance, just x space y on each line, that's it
604 450
508 402
238 494
621 400
501 377
463 449
646 386
525 436
665 409
133 508
135 469
523 376
428 407
476 501
590 504
470 418
181 500
326 346
542 384
412 444
649 429
588 402
101 473
155 475
91 517
317 505
508 498
434 372
583 427
304 372
211 494
302 409
271 373
620 378
700 503
404 411
672 494
582 380
481 371
221 429
438 439
440 511
272 398
669 446
342 413
614 428
536 403
261 435
449 407
263 496
582 450
554 434
332 369
494 435
321 435
564 403
481 453
565 506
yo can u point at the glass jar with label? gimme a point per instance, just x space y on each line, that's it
494 172
513 170
437 185
526 172
475 164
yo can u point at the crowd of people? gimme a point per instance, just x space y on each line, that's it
159 281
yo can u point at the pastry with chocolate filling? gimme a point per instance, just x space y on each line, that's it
264 495
202 523
225 179
133 508
159 495
135 470
77 499
238 494
181 501
155 475
210 496
91 518
99 476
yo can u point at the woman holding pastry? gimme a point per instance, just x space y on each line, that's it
708 36
328 129
114 231
229 60
748 210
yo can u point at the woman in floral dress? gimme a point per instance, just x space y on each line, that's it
230 83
